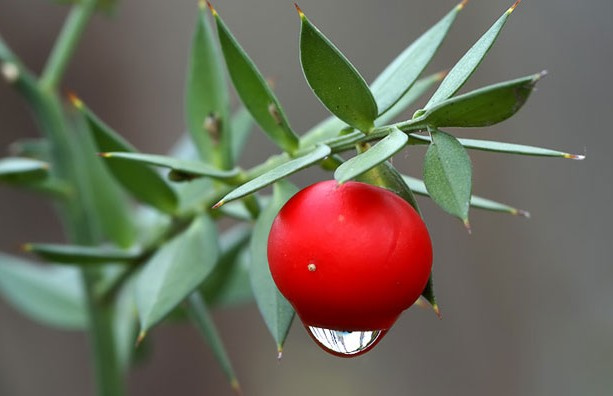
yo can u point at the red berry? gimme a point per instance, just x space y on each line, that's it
349 257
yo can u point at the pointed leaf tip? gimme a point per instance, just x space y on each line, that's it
510 10
74 100
462 5
104 155
236 387
437 311
202 4
218 204
26 247
574 156
522 213
140 338
213 11
300 13
467 226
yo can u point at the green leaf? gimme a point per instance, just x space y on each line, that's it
334 80
384 149
189 168
428 295
125 326
103 5
254 91
200 315
276 174
447 175
418 187
242 125
511 148
142 182
22 170
385 175
484 106
466 66
48 294
275 309
329 128
207 101
400 75
81 255
35 148
175 270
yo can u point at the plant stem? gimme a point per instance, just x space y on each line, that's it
66 43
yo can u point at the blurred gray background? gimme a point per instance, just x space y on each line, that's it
527 304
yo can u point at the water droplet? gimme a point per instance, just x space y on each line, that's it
345 343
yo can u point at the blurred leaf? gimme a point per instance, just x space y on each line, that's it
144 183
399 76
35 148
275 309
484 106
512 148
385 175
190 168
337 84
448 174
418 187
466 66
207 96
184 148
22 170
81 255
48 294
199 313
174 271
380 152
125 326
241 125
278 173
103 5
254 91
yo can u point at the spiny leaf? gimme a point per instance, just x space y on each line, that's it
466 66
399 76
175 270
275 309
48 294
482 107
22 170
81 255
276 174
448 174
428 295
199 313
207 101
334 80
141 181
254 91
379 153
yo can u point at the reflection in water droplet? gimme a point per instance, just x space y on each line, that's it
345 343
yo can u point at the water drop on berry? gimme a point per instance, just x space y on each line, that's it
345 343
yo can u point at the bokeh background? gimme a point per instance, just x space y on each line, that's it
527 304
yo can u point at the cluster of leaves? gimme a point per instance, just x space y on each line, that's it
168 257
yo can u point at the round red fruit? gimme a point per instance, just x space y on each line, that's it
349 257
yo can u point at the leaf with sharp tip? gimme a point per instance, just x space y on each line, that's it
334 80
207 94
17 170
141 181
418 187
275 309
448 175
400 75
175 270
48 294
81 255
192 168
276 174
254 91
379 153
466 66
200 315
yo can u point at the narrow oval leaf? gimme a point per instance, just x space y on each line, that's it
380 152
81 255
207 100
189 168
175 270
254 91
125 326
448 175
334 80
399 76
142 182
466 66
200 315
47 294
276 174
511 148
418 187
275 309
484 106
22 170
